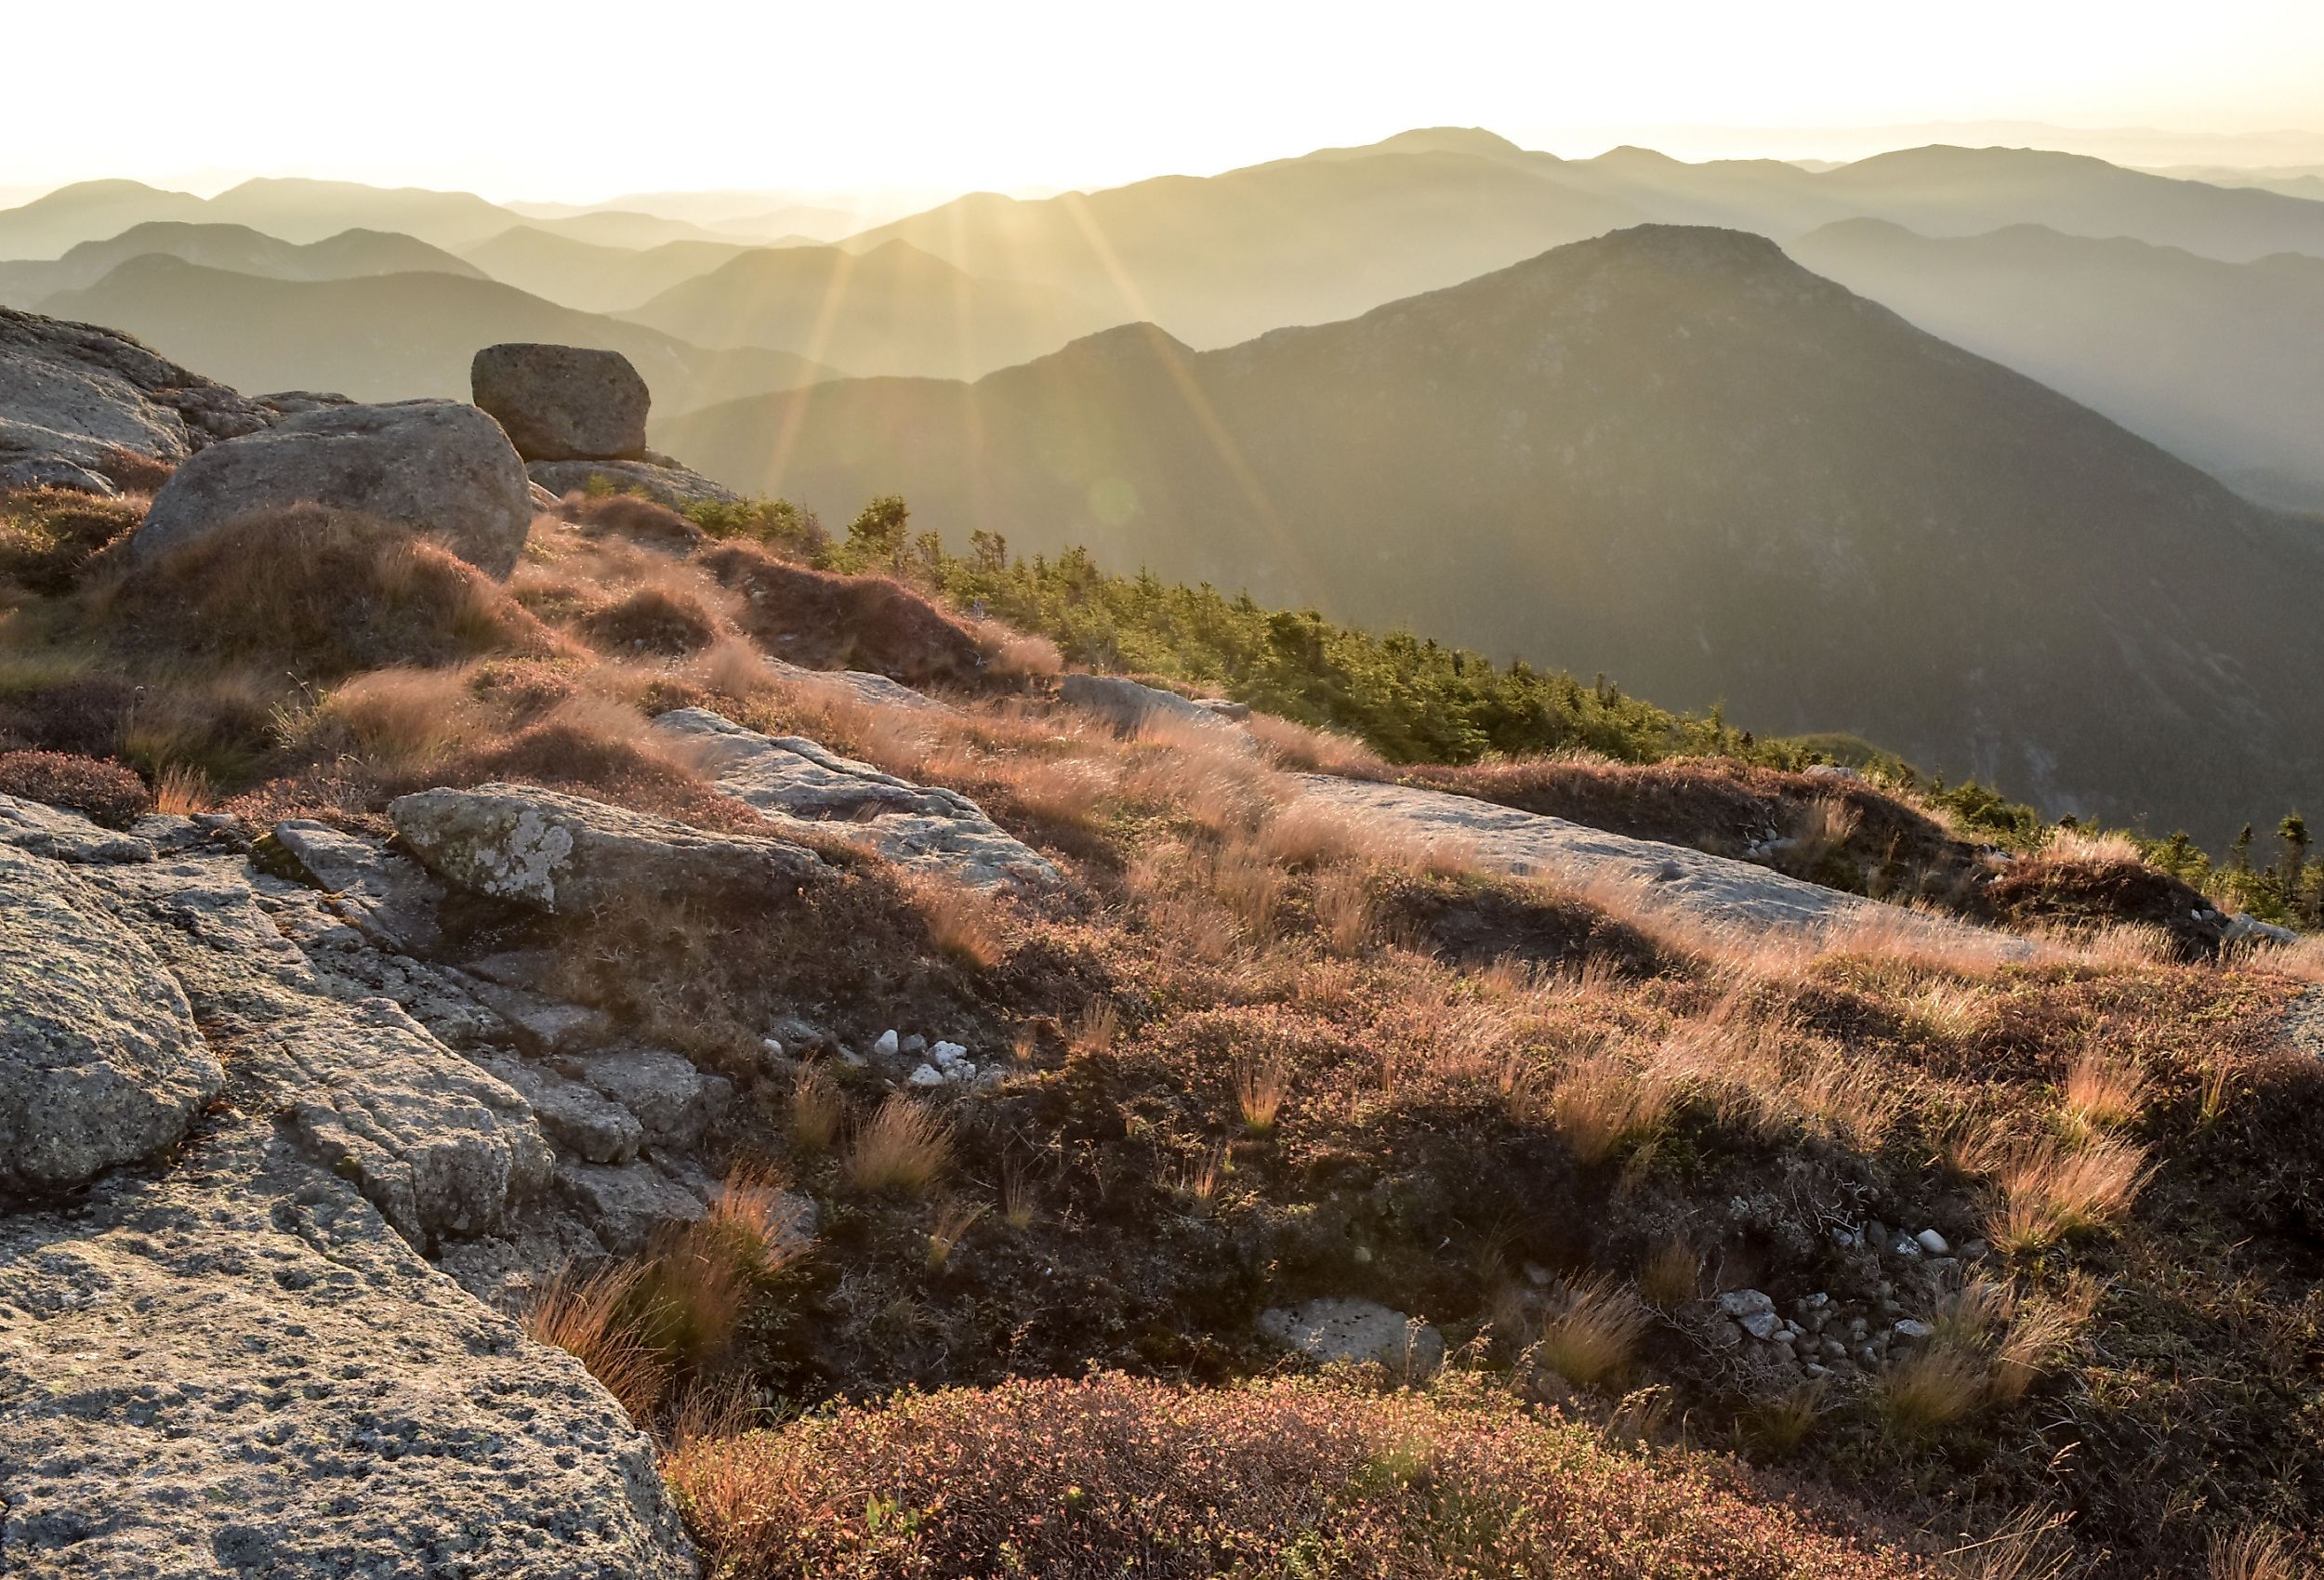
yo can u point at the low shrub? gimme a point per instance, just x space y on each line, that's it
822 620
50 535
632 517
102 791
1116 1476
319 593
651 619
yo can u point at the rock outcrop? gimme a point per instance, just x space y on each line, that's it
73 394
1129 706
437 467
658 478
564 854
100 1060
791 779
248 1336
562 402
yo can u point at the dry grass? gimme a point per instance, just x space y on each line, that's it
2254 1555
182 790
2051 1193
1602 1103
1932 1387
817 1110
954 1219
901 1150
1672 1275
1316 751
2104 1090
1261 1086
964 924
590 1317
1592 1333
1095 1028
1781 1422
1344 910
1820 829
2074 845
397 718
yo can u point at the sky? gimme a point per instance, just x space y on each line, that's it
582 100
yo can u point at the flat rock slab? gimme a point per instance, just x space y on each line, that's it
436 467
240 1368
789 778
1335 1329
1712 889
674 1102
565 854
65 837
99 1060
626 1205
658 479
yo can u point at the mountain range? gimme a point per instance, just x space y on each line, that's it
890 309
238 248
393 336
1673 454
1329 234
2216 361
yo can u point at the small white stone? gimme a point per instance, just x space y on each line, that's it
1761 1324
887 1044
1933 1243
773 1045
1907 1327
961 1071
926 1075
947 1053
1536 1275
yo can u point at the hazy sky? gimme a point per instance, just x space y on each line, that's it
583 100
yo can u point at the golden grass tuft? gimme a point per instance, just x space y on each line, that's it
963 924
1095 1028
1261 1086
954 1220
2051 1193
2254 1555
1923 1392
1600 1103
901 1150
1592 1331
817 1110
1672 1275
2104 1090
590 1318
182 790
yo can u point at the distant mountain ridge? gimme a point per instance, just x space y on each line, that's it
393 336
349 255
1674 455
892 308
1323 236
2220 363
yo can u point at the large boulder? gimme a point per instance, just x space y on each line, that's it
437 467
73 397
566 854
99 1060
562 402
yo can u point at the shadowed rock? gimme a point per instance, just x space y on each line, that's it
562 402
437 467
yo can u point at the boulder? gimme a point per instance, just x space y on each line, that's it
1129 706
1345 1330
99 1058
72 395
436 467
564 854
654 477
562 402
791 779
